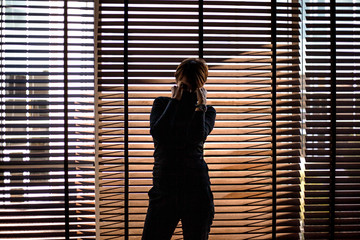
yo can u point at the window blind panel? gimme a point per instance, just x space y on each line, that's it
33 119
342 224
110 124
318 115
288 117
155 48
347 192
157 72
240 73
81 122
242 70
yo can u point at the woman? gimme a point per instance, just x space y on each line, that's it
181 186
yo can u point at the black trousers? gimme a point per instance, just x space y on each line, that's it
194 207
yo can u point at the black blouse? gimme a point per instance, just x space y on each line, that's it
179 133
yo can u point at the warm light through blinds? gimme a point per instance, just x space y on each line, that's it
140 43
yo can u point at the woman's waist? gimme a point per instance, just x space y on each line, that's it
178 163
174 178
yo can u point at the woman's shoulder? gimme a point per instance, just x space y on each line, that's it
162 99
210 108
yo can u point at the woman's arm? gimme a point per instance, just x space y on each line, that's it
162 111
203 120
202 124
160 117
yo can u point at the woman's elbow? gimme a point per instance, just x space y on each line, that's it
200 137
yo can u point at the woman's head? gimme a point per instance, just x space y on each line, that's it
193 72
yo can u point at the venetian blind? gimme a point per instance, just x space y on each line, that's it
238 48
332 120
288 118
47 120
139 45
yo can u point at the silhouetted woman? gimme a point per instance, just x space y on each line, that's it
181 185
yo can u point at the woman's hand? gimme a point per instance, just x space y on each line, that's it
201 95
177 91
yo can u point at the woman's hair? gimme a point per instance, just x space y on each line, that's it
195 70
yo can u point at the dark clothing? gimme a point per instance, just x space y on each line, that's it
194 208
181 184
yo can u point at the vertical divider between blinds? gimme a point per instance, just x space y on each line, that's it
333 116
126 117
66 123
97 121
273 114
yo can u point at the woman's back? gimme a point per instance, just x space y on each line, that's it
179 145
